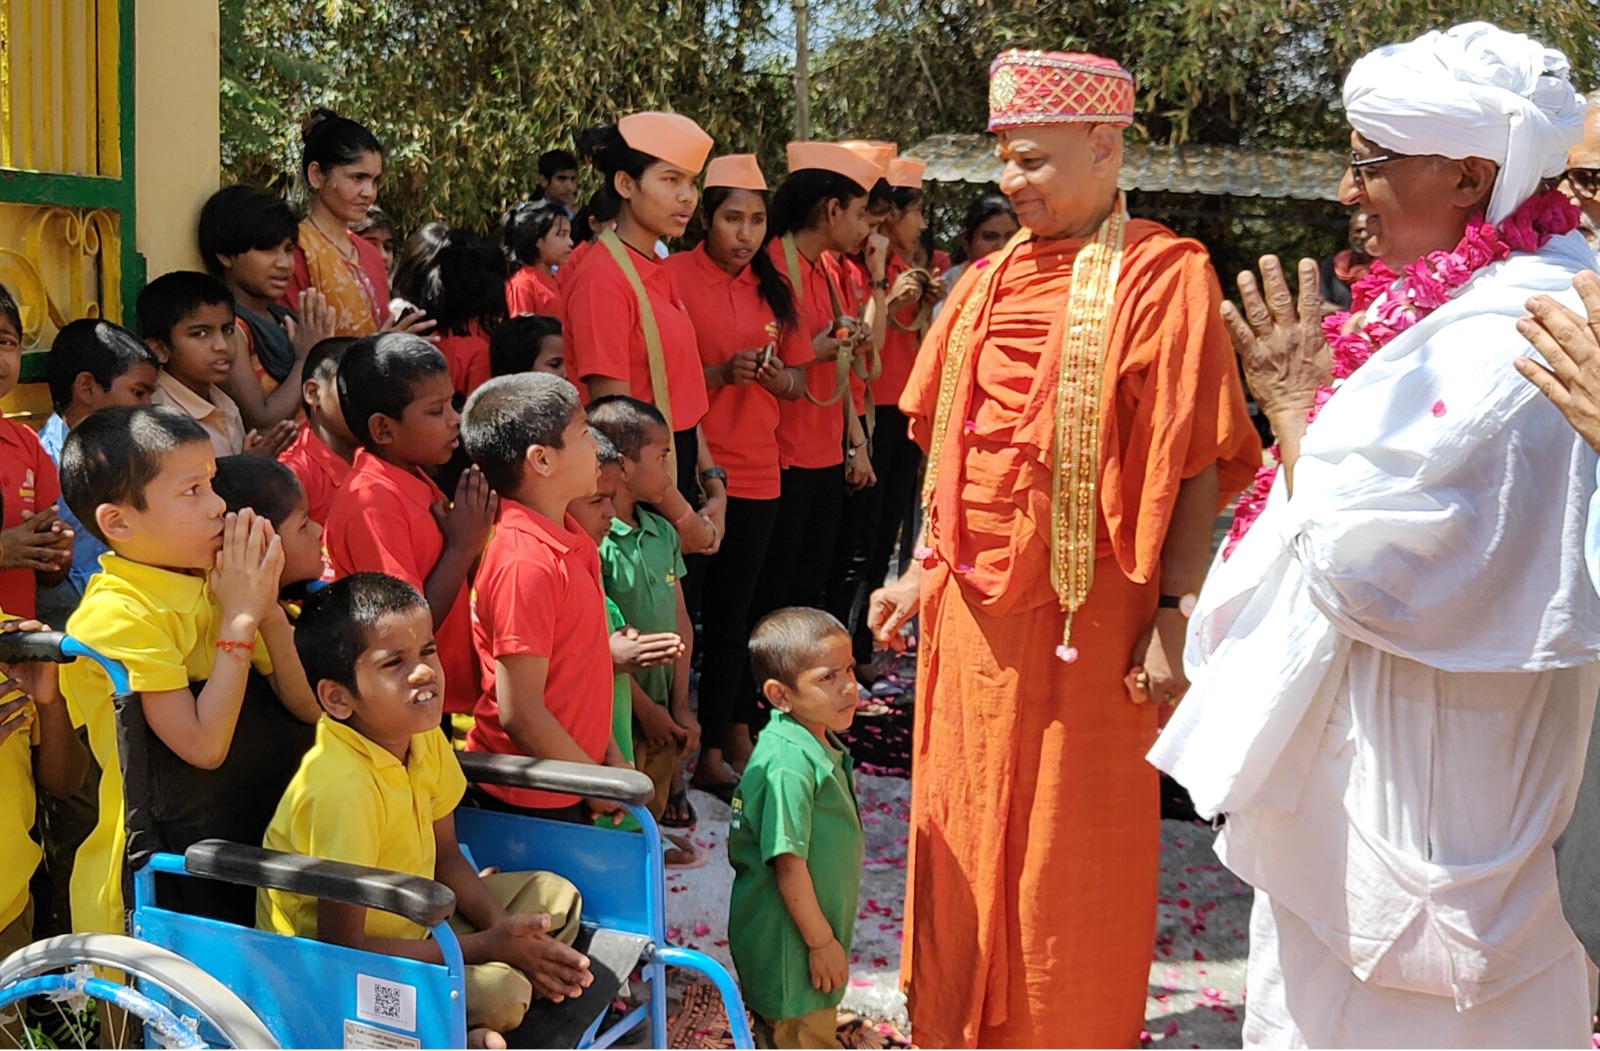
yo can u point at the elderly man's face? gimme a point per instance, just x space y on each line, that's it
1583 166
1059 176
1413 205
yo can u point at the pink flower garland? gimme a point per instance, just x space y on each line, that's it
1428 284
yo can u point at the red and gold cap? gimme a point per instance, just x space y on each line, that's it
1028 88
669 137
905 173
854 165
736 171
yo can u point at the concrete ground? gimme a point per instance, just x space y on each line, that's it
1196 990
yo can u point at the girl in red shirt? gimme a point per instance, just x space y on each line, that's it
873 516
537 238
462 287
818 214
627 331
753 355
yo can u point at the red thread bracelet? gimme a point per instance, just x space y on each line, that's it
234 648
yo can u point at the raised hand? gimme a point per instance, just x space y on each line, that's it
278 438
1279 341
315 324
467 522
247 571
1571 345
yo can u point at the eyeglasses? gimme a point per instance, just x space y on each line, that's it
1358 162
1586 181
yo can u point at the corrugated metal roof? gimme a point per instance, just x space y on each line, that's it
1232 171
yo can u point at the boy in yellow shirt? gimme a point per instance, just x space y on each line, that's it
187 601
380 788
37 745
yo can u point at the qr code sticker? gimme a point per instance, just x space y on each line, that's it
385 1002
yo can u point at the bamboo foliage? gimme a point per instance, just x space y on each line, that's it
467 93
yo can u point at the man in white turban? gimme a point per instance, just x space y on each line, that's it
1394 670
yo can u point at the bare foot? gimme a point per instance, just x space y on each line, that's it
739 747
485 1038
712 771
680 853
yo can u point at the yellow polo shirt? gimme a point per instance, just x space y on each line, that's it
16 818
353 801
163 626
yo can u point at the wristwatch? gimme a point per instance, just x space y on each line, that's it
1182 603
716 474
882 283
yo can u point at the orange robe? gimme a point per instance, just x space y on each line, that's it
1031 907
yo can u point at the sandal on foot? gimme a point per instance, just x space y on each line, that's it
678 803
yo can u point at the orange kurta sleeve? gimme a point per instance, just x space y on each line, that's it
1177 406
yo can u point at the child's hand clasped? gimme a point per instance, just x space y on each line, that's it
467 523
556 969
829 968
40 542
245 577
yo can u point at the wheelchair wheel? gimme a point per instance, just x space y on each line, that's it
50 996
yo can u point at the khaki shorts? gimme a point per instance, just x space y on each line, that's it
819 1029
498 994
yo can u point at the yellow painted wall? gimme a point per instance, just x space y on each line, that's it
177 136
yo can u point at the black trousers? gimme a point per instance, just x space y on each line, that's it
686 447
730 578
801 552
872 524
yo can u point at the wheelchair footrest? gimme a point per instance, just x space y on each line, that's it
612 957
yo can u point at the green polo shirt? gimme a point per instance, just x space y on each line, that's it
621 694
640 567
797 797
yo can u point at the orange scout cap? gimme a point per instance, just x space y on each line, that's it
835 157
906 173
669 137
736 171
881 151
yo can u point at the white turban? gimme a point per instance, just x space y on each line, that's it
1471 91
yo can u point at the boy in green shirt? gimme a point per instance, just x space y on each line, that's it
641 566
795 841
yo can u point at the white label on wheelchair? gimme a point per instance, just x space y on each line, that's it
358 1035
385 1002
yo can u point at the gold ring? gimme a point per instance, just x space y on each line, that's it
1142 680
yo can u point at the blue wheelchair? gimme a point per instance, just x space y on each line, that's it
197 981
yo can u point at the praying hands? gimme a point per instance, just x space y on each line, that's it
1571 345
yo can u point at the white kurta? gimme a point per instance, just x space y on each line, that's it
1394 679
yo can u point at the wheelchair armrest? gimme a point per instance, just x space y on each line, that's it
33 646
551 775
422 901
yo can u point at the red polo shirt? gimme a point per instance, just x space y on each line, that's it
538 594
741 423
568 270
468 358
899 346
382 522
321 471
532 290
604 337
811 435
28 483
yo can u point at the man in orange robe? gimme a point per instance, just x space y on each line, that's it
1043 668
